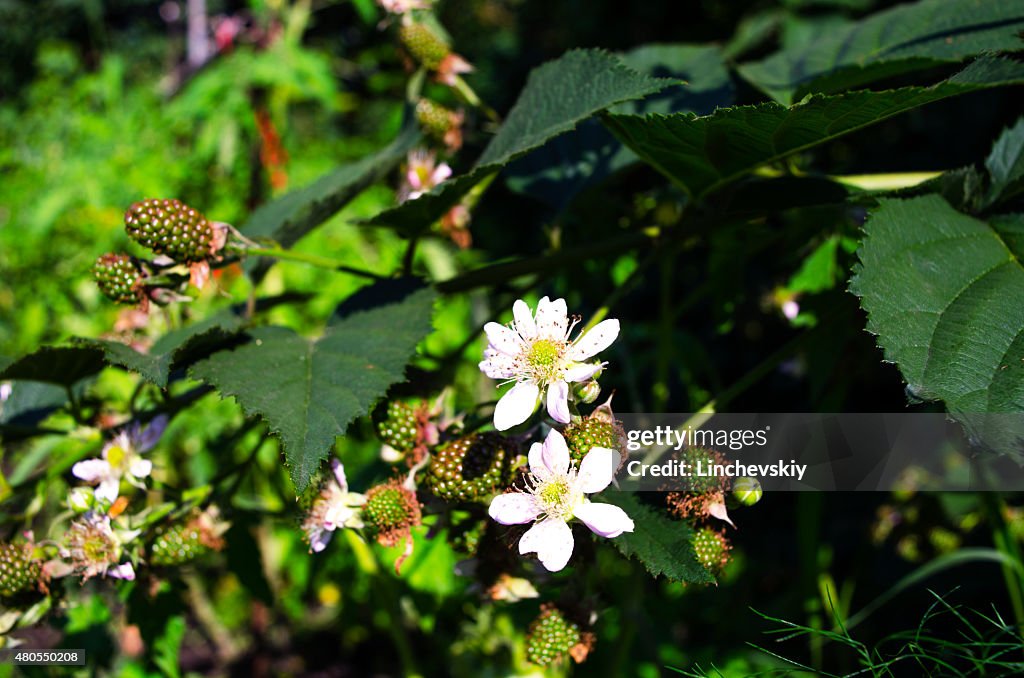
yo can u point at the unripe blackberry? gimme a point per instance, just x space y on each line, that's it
706 484
441 124
424 45
183 542
170 227
591 432
119 278
390 511
19 570
397 425
551 637
712 549
470 468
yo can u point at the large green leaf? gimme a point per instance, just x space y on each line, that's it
663 545
896 41
704 153
585 156
61 365
309 390
943 293
558 96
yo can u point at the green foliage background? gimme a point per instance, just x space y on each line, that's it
86 128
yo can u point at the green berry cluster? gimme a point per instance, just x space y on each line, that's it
119 278
390 507
471 468
177 545
424 45
589 433
437 121
702 484
550 637
712 549
397 425
170 227
19 570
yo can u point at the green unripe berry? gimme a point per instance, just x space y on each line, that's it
471 468
424 45
397 425
119 278
19 570
550 638
712 549
171 228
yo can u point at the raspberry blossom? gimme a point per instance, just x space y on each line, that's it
335 507
556 493
536 353
122 459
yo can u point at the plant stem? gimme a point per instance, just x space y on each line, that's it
312 260
1005 543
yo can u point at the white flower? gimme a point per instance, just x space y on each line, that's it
422 173
122 459
335 507
536 353
556 493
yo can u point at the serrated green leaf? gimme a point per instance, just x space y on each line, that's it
558 96
896 41
30 402
574 161
663 545
1005 164
61 365
309 390
177 348
704 153
942 291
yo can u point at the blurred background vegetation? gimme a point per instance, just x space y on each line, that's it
97 111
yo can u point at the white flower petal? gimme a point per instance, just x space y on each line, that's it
318 540
558 401
605 520
525 324
552 319
536 459
503 339
513 508
108 489
556 454
582 371
140 468
91 470
597 339
123 571
516 406
718 510
551 540
339 474
497 365
597 468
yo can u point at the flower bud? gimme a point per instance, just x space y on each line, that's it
588 391
746 491
81 499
